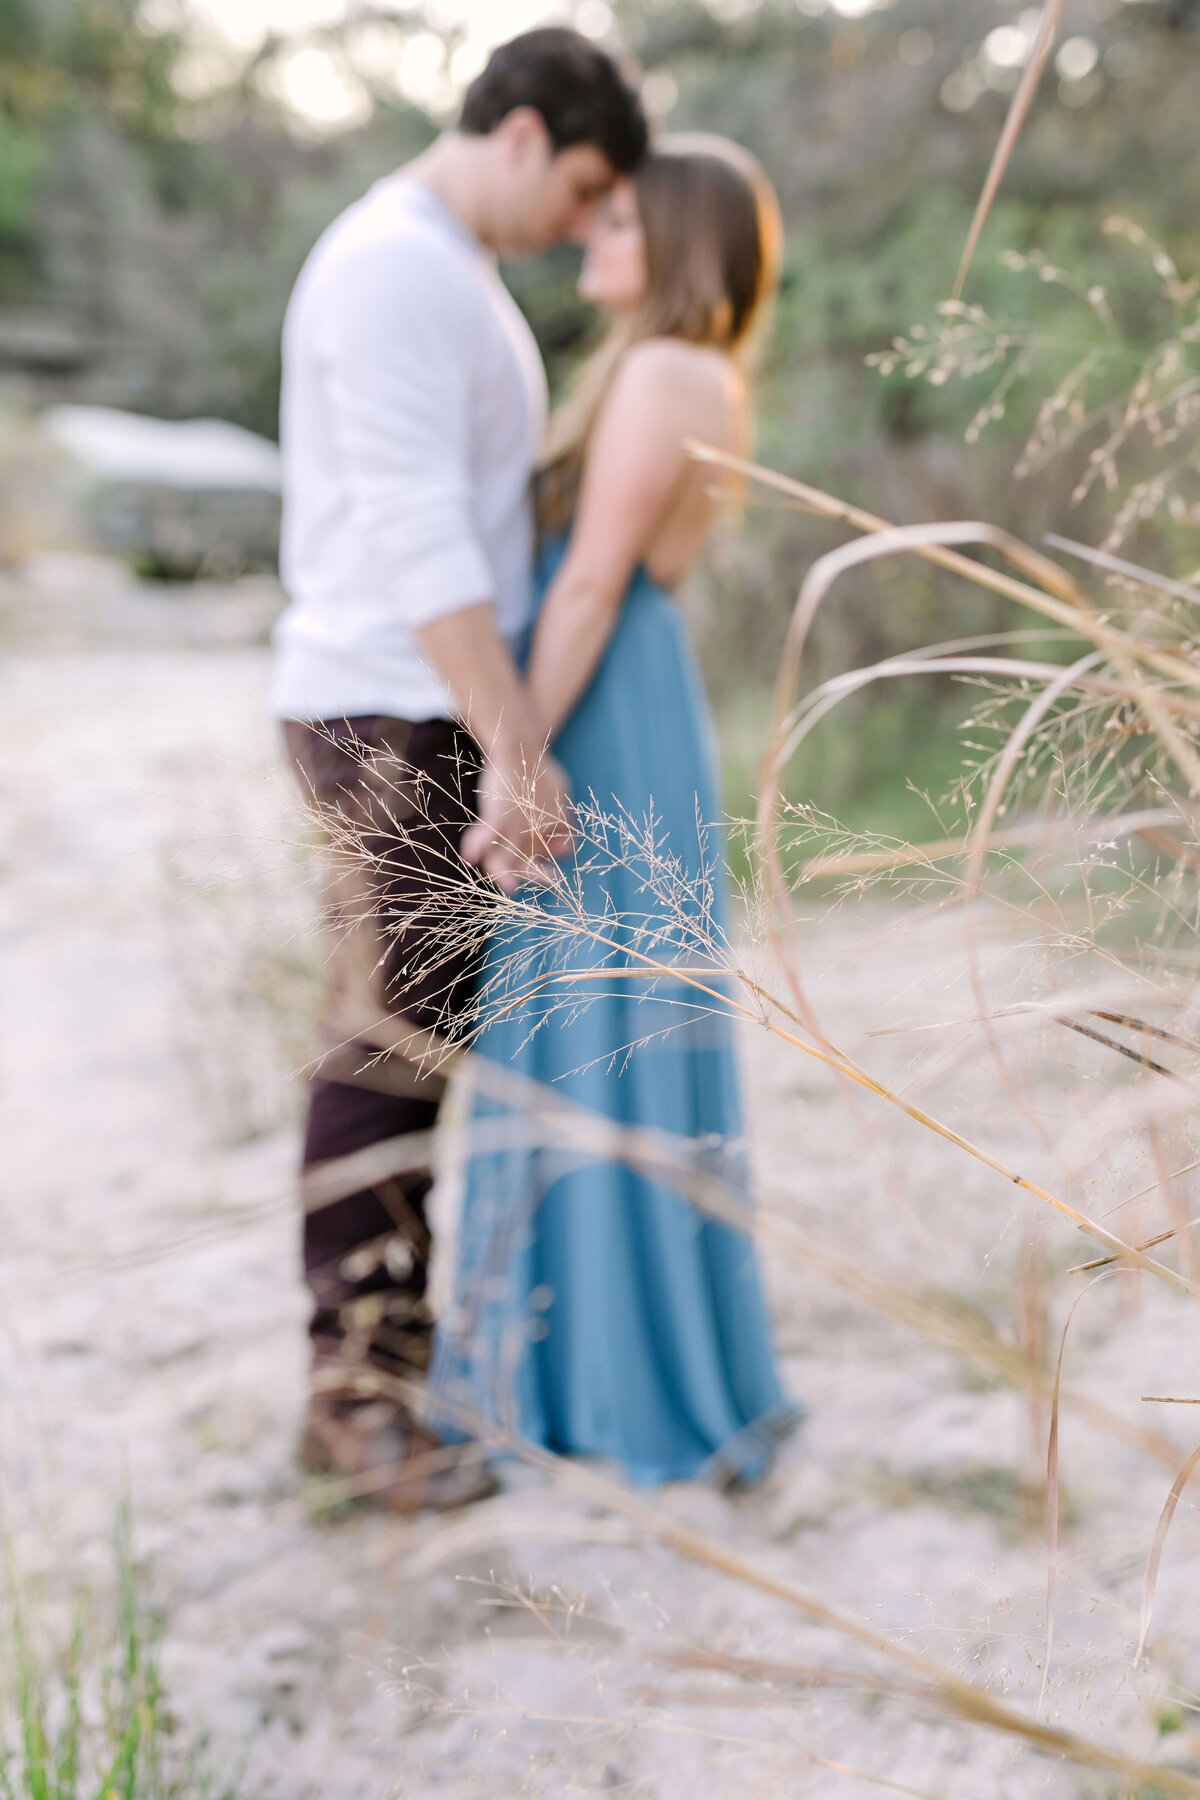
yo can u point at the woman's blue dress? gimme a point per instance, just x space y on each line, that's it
597 1312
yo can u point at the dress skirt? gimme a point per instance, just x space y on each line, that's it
597 1311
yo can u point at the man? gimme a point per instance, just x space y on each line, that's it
413 409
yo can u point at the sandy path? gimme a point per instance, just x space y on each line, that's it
154 973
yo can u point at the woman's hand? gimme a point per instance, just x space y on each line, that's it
524 801
524 820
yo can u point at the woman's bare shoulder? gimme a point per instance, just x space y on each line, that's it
684 388
673 362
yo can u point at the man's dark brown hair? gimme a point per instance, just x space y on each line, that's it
578 89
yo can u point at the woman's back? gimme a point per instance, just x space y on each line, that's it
706 392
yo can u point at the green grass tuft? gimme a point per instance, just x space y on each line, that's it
83 1713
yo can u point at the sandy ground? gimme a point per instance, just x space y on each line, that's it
156 971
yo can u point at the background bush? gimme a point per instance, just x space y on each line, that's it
157 199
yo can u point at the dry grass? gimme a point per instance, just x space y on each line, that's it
1070 841
1097 760
246 983
1075 823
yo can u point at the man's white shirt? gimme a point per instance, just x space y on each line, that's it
414 405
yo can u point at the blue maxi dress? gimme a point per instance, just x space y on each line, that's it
596 1311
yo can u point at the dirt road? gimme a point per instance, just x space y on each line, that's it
156 973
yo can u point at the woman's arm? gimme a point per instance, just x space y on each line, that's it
633 466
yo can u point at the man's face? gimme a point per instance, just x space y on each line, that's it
546 197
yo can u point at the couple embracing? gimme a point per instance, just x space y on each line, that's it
482 665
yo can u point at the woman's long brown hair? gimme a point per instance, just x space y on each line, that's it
714 243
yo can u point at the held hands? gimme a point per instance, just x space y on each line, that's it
524 801
524 820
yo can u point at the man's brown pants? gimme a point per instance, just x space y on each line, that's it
392 799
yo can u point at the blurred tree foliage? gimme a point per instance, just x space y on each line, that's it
157 197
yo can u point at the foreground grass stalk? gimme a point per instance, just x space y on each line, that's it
1069 606
1018 111
1018 837
1177 667
553 1118
959 1698
647 967
1150 1583
546 1119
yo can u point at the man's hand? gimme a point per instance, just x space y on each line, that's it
524 803
524 820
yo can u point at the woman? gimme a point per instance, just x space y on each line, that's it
596 1311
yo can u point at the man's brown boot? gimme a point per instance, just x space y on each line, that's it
385 1458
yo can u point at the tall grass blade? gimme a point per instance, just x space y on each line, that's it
960 1699
1053 1492
1022 100
1116 565
1150 1585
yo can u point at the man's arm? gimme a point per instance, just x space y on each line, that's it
395 352
523 798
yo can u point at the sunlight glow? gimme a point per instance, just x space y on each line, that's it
322 87
311 83
487 22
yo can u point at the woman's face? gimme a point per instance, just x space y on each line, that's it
614 264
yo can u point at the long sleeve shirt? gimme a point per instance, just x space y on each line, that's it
413 408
